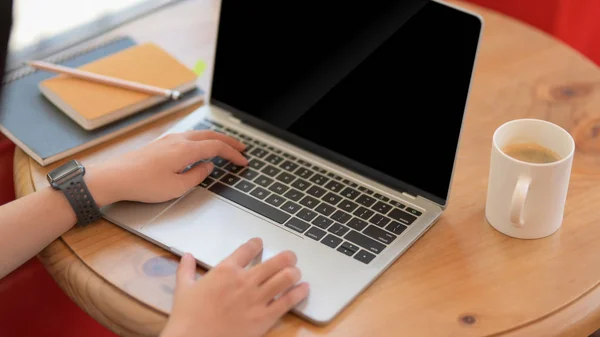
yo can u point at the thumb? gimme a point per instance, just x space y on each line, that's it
197 174
186 271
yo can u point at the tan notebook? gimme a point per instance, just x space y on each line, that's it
92 105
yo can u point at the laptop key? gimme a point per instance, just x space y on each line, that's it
271 171
249 202
316 191
338 229
402 217
258 152
304 173
256 164
364 213
233 168
322 222
396 227
230 179
248 147
249 174
264 181
306 214
341 217
260 193
219 162
275 200
300 184
309 202
217 173
350 246
379 220
278 188
285 177
379 234
318 179
350 193
290 207
364 256
413 211
245 186
294 195
397 204
315 233
331 241
325 209
345 251
297 225
347 206
357 224
334 186
207 182
274 159
381 207
332 198
365 242
289 166
365 200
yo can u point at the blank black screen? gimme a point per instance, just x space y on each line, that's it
381 87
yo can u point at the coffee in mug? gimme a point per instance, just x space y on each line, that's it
529 177
531 153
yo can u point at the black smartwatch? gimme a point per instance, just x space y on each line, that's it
68 178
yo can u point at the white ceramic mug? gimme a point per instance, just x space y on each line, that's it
527 200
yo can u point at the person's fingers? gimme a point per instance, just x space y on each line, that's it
186 271
288 300
280 283
267 269
197 174
206 149
200 135
242 256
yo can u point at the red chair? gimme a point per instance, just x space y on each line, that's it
31 303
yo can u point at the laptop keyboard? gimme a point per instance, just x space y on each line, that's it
303 197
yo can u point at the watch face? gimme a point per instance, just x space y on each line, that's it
66 171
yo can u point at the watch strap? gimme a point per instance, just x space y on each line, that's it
81 200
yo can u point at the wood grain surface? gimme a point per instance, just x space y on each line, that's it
462 278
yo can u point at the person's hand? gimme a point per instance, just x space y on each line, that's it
232 301
153 173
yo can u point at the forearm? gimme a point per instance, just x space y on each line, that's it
29 224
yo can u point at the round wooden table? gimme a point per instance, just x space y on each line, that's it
462 278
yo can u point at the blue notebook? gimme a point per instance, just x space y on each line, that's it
45 133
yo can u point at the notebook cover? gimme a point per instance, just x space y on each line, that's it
145 63
31 121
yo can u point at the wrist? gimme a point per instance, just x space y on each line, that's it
101 185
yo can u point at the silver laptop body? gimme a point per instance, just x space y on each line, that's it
342 246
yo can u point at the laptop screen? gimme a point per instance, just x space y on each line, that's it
380 88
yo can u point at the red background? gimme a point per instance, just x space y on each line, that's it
31 304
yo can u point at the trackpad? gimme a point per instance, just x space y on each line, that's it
211 228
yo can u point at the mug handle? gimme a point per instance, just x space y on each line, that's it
518 201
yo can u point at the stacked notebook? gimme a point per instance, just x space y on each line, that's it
53 116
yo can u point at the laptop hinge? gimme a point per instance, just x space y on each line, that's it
409 195
234 120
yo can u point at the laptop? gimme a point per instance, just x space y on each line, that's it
352 117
